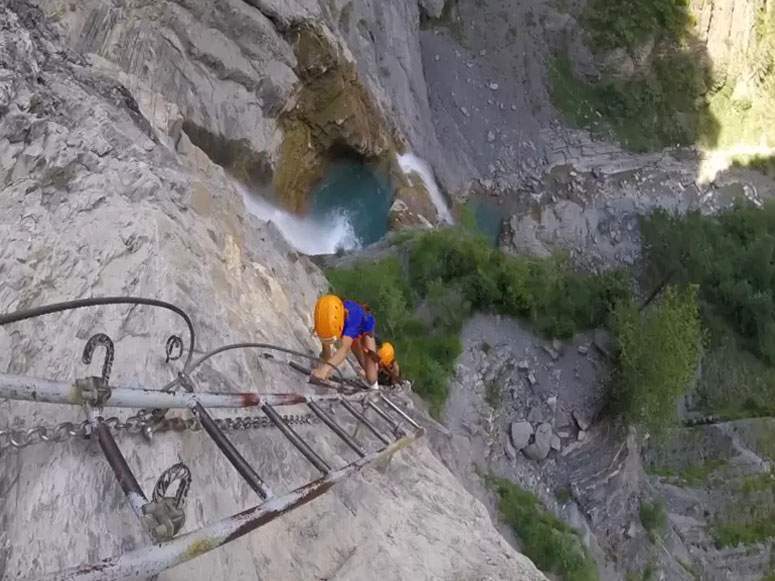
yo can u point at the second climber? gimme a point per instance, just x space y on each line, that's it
389 372
351 323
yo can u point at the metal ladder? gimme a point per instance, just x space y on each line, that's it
398 430
163 516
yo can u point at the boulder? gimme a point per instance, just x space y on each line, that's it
581 421
520 434
540 447
536 415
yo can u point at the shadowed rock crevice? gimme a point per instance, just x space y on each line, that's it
236 156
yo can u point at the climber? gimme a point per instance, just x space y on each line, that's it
352 324
389 372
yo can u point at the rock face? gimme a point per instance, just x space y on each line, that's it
268 90
102 194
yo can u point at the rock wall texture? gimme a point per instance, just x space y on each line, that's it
104 194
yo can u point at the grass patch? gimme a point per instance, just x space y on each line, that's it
692 476
758 483
653 517
551 544
421 301
734 382
750 532
658 357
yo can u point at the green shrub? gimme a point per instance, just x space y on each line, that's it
493 393
422 305
551 544
658 355
627 23
653 517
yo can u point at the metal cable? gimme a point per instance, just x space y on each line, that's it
99 301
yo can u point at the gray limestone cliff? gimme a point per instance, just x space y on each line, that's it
104 192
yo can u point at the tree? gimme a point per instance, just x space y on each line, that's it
659 350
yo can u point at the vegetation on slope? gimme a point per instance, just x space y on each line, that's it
731 258
422 301
653 517
659 109
627 23
551 544
658 105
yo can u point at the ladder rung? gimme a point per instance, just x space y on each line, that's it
295 439
236 459
399 411
361 418
126 479
336 428
393 424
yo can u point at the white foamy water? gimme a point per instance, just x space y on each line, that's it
308 234
411 163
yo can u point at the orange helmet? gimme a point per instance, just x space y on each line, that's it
329 317
387 354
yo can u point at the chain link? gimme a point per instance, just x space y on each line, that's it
137 424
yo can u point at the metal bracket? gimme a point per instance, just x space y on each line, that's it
93 391
185 382
162 518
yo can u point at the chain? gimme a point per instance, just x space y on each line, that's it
137 424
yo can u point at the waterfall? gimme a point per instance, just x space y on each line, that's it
410 163
308 234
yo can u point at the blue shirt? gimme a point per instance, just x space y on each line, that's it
357 321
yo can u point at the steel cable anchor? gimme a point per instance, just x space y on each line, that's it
95 391
164 515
